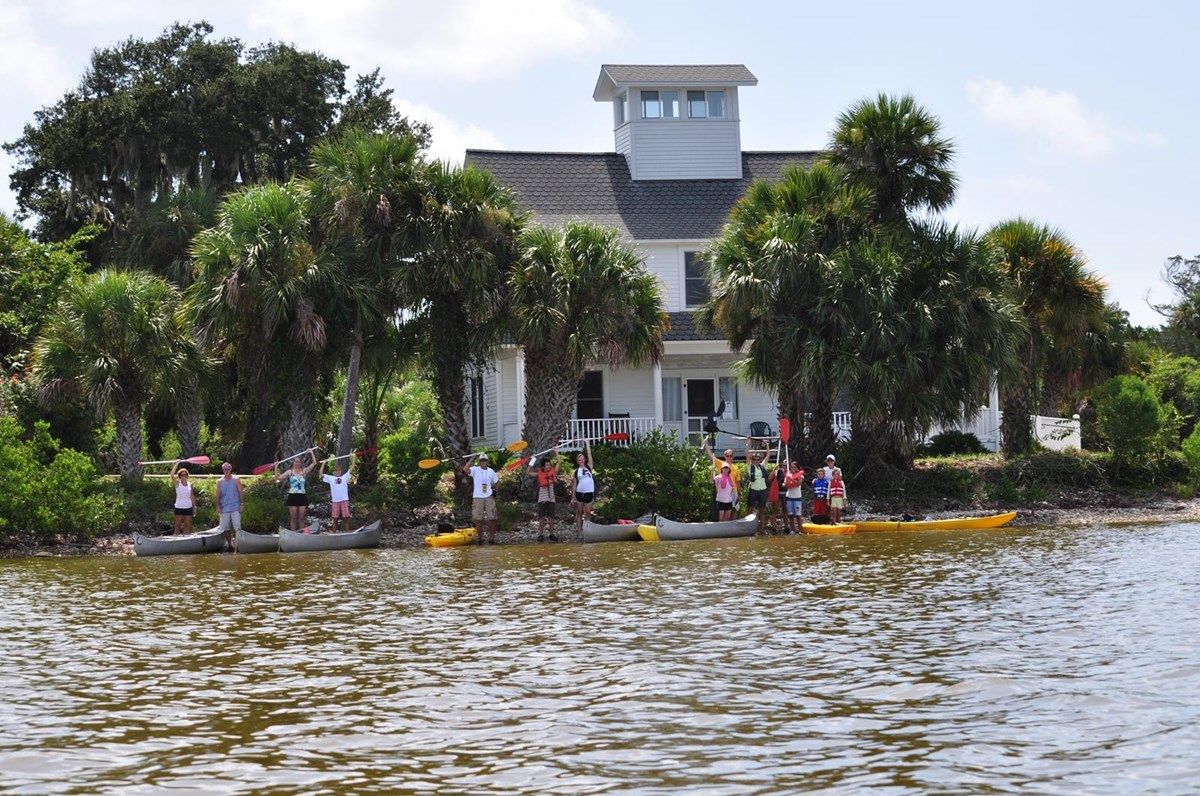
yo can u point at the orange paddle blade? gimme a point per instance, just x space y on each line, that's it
516 464
516 447
785 429
428 464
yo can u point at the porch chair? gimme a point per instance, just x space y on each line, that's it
760 428
620 428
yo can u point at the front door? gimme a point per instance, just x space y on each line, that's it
700 402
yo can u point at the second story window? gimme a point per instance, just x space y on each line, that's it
661 105
706 104
695 279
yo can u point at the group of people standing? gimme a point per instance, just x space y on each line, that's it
582 488
777 492
231 494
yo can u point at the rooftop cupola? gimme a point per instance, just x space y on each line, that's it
676 122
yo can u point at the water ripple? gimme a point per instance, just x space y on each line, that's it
1049 660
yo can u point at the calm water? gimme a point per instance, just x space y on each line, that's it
1048 660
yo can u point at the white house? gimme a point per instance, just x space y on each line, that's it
677 170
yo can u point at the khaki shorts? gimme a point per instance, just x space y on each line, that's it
837 502
483 509
230 520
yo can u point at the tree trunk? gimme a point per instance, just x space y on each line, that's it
350 402
821 438
551 387
129 440
302 416
1015 432
450 357
191 416
256 445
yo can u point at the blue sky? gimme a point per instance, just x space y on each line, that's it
1078 114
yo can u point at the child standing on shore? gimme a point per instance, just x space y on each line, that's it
837 495
820 486
339 491
794 482
547 477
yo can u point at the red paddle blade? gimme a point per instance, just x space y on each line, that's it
198 460
516 464
785 429
262 468
622 437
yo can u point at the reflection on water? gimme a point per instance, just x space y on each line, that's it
1053 660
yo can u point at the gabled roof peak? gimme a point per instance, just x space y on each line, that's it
616 76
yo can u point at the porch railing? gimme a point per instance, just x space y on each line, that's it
597 428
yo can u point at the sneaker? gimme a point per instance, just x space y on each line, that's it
541 537
553 538
491 541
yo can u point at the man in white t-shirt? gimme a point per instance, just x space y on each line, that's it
483 501
339 491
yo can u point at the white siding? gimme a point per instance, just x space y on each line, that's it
629 390
685 149
621 136
666 262
510 430
489 404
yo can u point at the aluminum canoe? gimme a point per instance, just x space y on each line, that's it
297 542
210 541
257 542
665 530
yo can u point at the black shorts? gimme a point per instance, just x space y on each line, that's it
584 497
185 512
297 499
546 508
724 505
756 498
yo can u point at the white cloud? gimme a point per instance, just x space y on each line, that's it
1056 117
471 39
450 138
28 66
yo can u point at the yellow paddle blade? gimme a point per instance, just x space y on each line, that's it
428 464
517 447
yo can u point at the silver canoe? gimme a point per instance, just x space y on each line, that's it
210 541
596 532
296 542
257 542
669 530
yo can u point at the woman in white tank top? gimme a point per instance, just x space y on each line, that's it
185 499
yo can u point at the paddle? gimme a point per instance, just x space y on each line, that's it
363 452
512 447
785 436
262 468
531 460
191 460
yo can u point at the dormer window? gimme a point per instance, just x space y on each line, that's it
706 104
619 109
660 104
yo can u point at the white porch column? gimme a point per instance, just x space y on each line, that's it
656 385
521 392
499 365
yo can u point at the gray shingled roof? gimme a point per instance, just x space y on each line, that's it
683 327
727 74
560 186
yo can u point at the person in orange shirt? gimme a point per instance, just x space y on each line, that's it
547 479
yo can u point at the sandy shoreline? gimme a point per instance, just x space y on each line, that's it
408 529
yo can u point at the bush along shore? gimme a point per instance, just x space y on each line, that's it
1046 489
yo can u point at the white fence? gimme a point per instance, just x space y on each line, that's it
598 428
1057 433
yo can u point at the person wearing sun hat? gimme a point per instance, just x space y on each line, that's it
483 502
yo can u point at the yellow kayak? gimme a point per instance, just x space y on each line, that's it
828 530
457 538
952 524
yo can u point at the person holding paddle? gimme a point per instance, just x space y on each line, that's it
229 502
547 478
185 499
297 493
339 490
756 495
583 486
483 501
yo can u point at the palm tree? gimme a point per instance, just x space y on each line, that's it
366 184
265 290
932 325
578 295
1062 302
895 148
464 239
116 338
769 272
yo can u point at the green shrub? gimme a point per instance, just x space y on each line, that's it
398 457
263 506
656 475
1058 470
1129 414
1191 454
47 491
953 443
